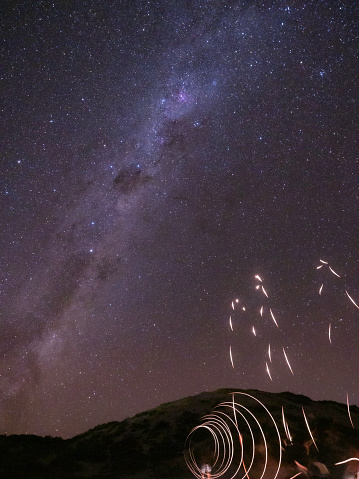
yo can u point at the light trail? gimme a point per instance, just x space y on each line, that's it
296 475
275 322
244 466
310 432
286 358
332 270
215 424
350 417
230 355
228 441
351 299
286 427
270 377
240 437
347 460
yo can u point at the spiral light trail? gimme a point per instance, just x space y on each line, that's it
233 428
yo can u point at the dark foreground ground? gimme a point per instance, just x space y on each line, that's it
152 444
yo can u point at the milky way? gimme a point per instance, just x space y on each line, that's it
156 156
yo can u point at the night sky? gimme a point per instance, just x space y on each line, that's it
155 157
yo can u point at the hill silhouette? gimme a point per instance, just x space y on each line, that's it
151 444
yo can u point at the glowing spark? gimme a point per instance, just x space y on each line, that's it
310 432
244 308
346 460
254 331
268 372
230 355
320 289
318 267
285 425
232 305
351 422
288 362
269 353
332 270
330 328
264 291
324 262
275 322
351 299
261 311
230 323
257 287
295 475
258 277
237 300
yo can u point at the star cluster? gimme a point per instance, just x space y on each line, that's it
155 157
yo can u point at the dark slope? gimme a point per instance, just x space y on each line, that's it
151 444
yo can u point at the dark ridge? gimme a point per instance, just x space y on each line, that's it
151 444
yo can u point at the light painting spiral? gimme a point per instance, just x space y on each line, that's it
238 441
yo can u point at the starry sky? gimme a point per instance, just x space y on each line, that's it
155 157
